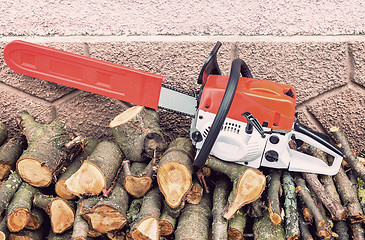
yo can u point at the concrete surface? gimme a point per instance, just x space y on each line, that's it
315 46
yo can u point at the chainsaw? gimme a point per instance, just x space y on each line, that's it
236 118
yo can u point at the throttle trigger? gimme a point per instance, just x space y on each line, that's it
253 122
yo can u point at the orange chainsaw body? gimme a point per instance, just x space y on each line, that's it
268 101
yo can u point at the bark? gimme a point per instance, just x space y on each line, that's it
357 231
349 156
342 230
194 220
8 189
263 228
273 195
60 186
133 210
4 231
304 230
220 195
166 222
195 193
9 154
19 209
62 236
137 132
36 219
3 133
97 172
61 212
292 230
27 235
116 235
80 227
348 196
41 162
236 226
174 175
334 206
248 183
146 225
322 225
138 177
105 214
361 192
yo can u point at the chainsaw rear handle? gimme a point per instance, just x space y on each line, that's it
238 67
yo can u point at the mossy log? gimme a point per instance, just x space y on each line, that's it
348 196
248 183
236 226
133 209
8 189
138 177
220 195
27 234
3 133
194 220
9 154
60 186
264 229
166 222
105 214
273 196
36 219
60 211
146 225
292 230
19 209
174 175
138 133
97 172
323 226
41 162
4 231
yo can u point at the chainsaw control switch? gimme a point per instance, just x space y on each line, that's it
272 156
253 122
274 139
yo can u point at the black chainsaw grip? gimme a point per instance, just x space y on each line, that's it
238 67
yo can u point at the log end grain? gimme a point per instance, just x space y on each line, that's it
166 228
5 169
62 215
174 180
87 180
250 186
34 172
137 186
275 218
18 219
125 116
147 228
234 234
62 190
105 218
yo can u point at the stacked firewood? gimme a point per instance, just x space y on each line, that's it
56 185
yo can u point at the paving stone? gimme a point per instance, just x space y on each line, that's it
36 87
312 68
357 51
345 110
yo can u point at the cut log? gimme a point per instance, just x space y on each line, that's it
19 209
194 221
3 133
105 214
146 225
342 230
133 210
97 172
138 177
292 230
61 212
8 189
273 195
4 231
236 226
41 162
195 193
304 230
248 183
80 227
9 154
220 195
138 133
36 219
62 236
166 222
174 175
264 229
60 186
27 234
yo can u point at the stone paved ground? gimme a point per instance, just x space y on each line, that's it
317 47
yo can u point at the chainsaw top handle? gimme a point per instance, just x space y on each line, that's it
238 67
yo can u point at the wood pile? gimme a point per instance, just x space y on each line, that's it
56 185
